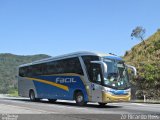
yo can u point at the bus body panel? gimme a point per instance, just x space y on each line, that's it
52 87
24 86
96 92
111 95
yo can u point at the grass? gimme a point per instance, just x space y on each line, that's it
13 93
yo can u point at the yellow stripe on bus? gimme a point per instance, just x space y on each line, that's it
50 83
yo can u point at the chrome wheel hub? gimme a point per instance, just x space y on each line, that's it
80 98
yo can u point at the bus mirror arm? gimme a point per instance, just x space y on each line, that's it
104 65
133 68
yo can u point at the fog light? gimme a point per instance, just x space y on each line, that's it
87 87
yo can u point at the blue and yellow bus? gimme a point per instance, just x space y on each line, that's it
81 76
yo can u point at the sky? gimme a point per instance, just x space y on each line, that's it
57 27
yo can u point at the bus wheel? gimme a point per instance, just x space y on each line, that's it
79 97
32 96
102 104
52 100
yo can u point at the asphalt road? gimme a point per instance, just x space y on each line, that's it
68 110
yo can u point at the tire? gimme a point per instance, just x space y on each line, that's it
102 104
52 100
32 96
79 98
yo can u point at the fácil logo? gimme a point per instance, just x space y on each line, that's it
65 80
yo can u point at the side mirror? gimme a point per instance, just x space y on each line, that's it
133 69
104 66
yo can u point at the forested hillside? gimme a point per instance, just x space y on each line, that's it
8 69
146 58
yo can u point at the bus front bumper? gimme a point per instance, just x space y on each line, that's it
107 97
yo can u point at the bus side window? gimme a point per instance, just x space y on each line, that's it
89 66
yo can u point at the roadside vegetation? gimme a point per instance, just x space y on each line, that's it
146 58
13 92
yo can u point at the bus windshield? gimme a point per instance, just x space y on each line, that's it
117 75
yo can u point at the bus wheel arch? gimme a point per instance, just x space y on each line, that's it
79 97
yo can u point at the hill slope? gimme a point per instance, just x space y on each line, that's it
146 58
8 69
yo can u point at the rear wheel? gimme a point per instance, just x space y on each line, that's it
79 97
32 96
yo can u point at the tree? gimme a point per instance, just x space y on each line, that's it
138 33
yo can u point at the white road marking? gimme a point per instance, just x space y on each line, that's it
139 104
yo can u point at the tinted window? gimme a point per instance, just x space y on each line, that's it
22 71
89 66
70 65
96 74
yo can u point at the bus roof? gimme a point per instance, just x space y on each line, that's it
69 56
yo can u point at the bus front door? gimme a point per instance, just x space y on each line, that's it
96 87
